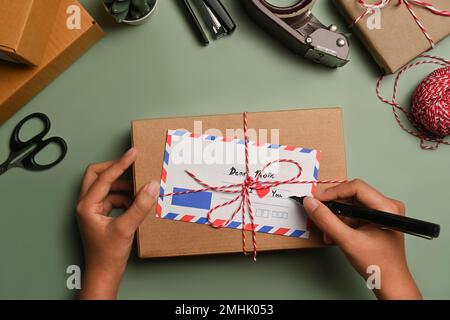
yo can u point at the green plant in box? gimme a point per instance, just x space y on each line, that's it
129 9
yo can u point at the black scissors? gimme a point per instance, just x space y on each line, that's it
24 152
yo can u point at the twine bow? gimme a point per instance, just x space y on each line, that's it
243 192
370 7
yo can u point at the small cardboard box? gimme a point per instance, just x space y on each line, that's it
321 129
63 48
398 40
25 27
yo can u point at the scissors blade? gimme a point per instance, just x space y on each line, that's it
3 168
15 158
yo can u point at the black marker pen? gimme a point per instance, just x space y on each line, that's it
386 220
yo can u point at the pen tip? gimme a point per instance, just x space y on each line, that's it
297 199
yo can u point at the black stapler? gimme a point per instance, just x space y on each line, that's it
297 28
215 16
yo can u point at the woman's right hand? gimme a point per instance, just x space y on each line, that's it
366 244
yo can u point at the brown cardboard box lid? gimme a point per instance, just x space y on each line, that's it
63 48
25 26
400 39
321 129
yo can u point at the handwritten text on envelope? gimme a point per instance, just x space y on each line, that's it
219 161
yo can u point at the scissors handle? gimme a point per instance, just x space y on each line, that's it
16 144
29 162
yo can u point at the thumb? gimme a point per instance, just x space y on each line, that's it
140 209
327 221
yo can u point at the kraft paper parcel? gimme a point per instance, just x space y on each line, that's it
321 129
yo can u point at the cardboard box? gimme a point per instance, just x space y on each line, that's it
63 48
399 40
321 129
25 27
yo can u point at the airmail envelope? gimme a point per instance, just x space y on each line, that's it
220 161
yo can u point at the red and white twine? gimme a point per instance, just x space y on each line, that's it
370 7
430 112
243 192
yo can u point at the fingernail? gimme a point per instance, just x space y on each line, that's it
130 151
310 204
152 189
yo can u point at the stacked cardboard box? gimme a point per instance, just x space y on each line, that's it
37 44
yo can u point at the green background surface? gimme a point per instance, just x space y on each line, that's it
160 70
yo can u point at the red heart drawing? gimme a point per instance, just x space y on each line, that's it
262 192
